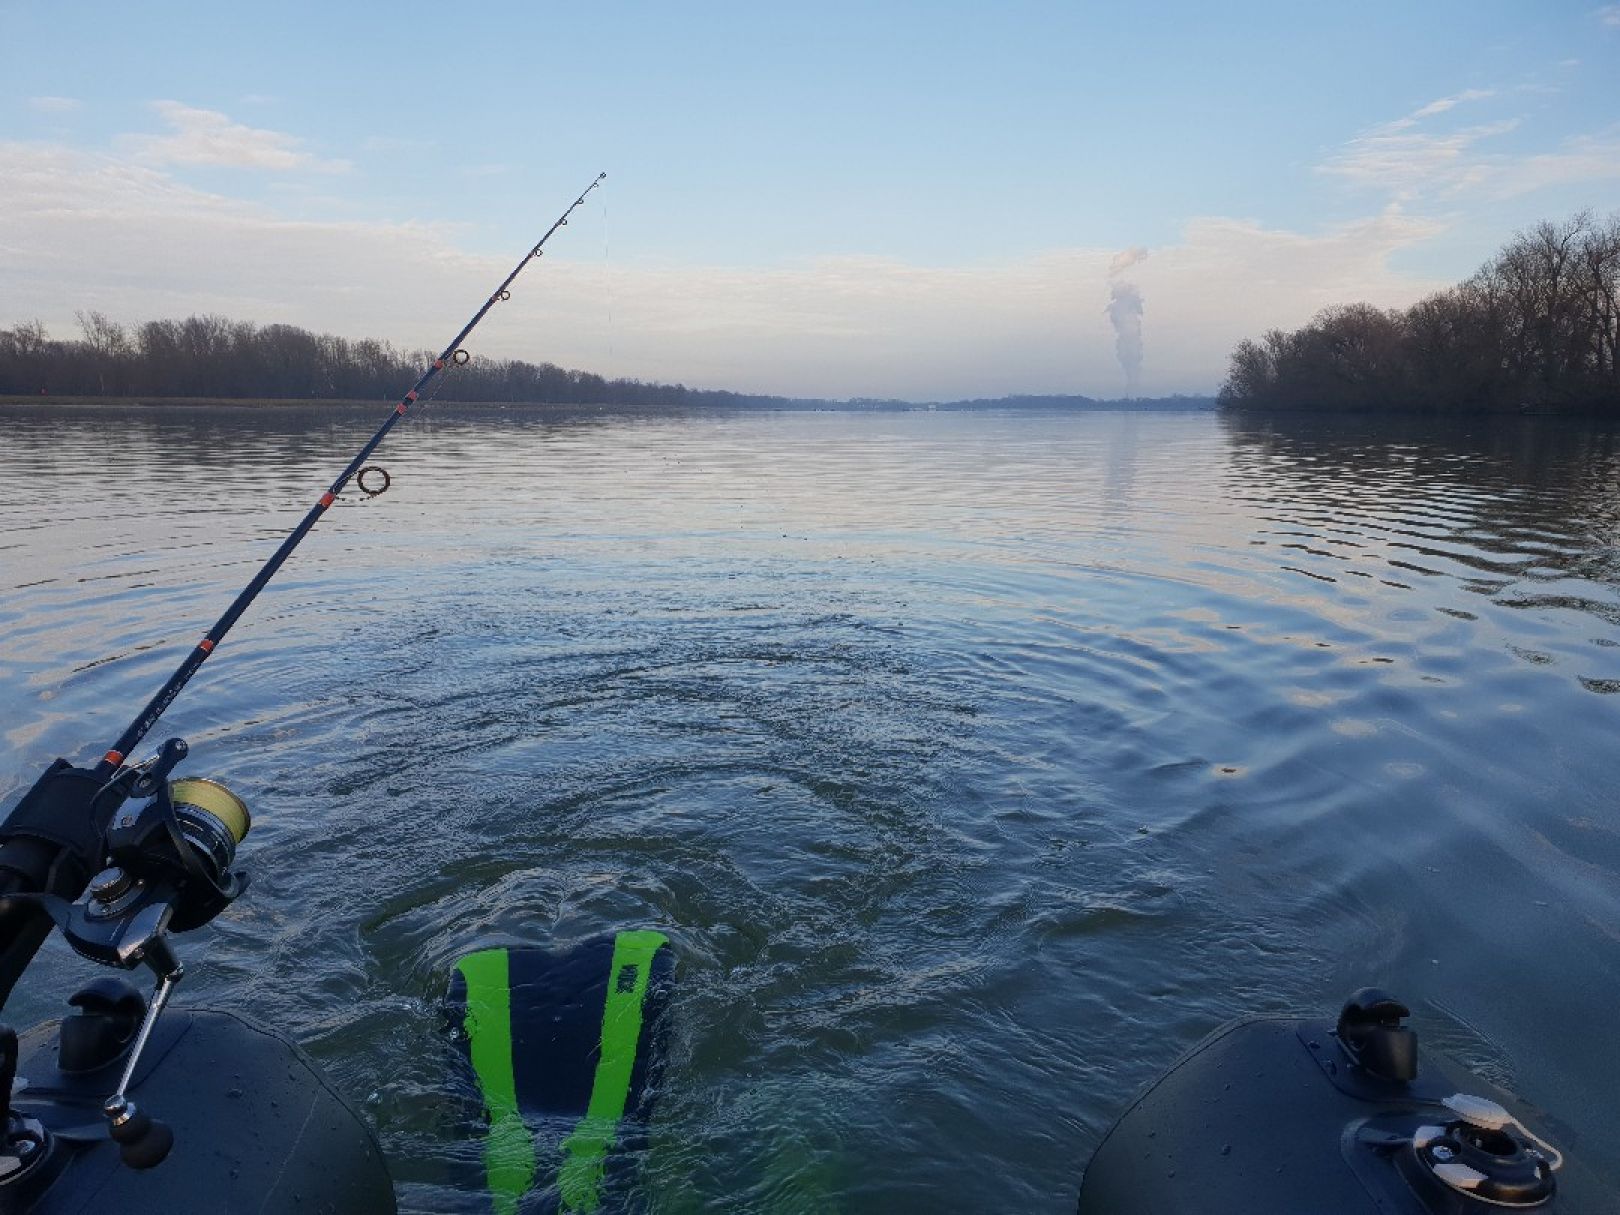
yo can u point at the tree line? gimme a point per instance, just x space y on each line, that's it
1537 329
213 357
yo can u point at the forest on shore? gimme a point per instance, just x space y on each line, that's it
206 358
213 357
1536 330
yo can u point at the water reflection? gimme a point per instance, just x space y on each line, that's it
1523 513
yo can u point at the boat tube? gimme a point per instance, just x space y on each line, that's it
1339 1118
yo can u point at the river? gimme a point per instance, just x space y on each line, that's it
976 763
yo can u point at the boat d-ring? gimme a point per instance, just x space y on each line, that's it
368 490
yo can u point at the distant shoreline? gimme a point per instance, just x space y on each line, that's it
155 402
240 364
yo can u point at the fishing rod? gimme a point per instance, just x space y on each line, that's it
453 354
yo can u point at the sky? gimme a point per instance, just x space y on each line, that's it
923 201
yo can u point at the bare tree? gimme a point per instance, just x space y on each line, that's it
1537 327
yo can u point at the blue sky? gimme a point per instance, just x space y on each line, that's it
901 199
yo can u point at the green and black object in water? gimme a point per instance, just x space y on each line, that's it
565 1048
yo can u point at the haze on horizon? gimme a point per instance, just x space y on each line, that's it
921 202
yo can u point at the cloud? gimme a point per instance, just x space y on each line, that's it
1413 166
1609 14
1578 159
1442 105
55 105
208 137
1410 163
79 231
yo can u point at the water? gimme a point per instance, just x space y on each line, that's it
976 763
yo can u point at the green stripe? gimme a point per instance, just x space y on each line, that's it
509 1150
585 1150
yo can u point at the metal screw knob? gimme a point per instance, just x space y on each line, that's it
110 885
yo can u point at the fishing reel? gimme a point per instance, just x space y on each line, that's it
169 864
168 868
119 858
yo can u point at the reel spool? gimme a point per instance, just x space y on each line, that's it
185 839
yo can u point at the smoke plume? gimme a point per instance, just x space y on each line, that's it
1125 312
1127 259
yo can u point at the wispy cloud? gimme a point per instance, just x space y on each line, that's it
1609 14
208 137
1578 159
1413 162
1440 106
1410 162
55 105
1406 160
